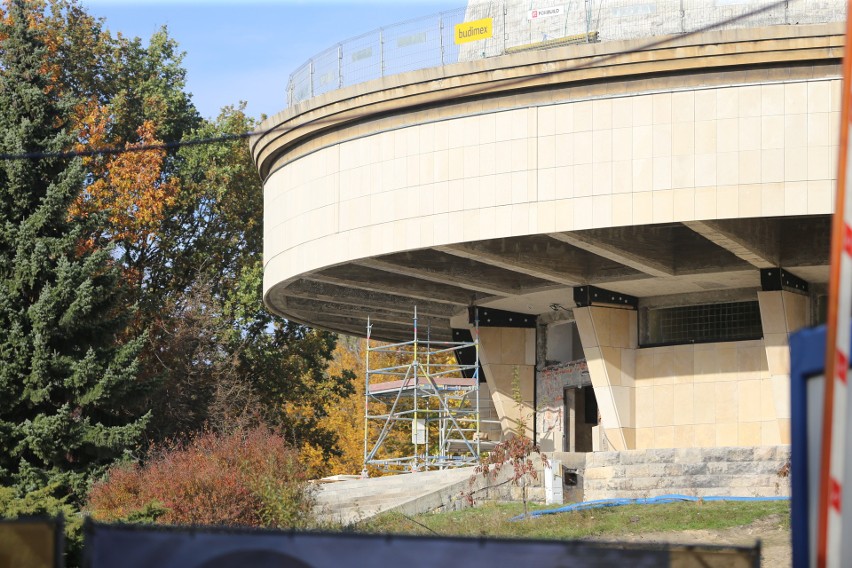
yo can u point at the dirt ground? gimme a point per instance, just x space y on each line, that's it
776 551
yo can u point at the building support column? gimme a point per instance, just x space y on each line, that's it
508 360
610 339
781 313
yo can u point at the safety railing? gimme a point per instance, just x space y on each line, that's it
497 27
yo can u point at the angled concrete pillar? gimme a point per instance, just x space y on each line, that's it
781 313
610 339
503 352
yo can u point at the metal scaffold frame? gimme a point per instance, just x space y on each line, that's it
434 397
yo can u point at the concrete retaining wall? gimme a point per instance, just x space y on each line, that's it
700 472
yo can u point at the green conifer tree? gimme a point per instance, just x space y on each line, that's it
66 365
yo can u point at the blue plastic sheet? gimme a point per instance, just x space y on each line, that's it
660 500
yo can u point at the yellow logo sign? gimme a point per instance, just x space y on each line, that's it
475 30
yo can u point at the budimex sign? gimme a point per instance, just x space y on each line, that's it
475 30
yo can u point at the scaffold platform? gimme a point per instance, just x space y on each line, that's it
424 388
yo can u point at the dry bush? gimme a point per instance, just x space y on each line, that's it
247 478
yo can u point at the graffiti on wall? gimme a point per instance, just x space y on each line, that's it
550 392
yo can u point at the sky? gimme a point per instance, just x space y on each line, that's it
245 51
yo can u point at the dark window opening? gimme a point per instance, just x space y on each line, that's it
569 477
591 406
704 323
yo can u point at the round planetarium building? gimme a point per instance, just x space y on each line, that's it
628 201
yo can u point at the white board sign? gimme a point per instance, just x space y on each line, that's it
541 13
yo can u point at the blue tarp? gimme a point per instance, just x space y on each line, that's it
662 499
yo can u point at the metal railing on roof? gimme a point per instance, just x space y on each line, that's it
497 27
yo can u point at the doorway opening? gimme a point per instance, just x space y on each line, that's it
580 414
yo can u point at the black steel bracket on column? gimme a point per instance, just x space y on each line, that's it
467 355
489 317
776 279
592 296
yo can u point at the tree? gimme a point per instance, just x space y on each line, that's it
67 364
185 227
344 414
43 503
217 355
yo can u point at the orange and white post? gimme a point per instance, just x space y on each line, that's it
833 501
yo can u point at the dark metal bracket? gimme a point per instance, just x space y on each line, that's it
777 279
489 317
593 296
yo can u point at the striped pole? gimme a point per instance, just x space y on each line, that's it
829 543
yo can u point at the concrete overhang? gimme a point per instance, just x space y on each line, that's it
690 257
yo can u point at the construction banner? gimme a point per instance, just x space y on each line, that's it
167 547
834 521
31 543
807 408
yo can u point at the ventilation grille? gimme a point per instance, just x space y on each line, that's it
704 323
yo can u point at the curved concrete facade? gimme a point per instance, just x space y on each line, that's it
672 173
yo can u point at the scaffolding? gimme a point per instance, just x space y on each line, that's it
430 389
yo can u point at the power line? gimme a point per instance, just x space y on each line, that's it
113 150
596 60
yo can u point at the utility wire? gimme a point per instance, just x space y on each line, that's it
113 150
282 129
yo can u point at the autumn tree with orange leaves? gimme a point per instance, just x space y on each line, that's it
131 316
184 225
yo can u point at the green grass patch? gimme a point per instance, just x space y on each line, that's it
492 520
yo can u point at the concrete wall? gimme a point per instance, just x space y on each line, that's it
741 472
705 395
723 152
550 403
695 395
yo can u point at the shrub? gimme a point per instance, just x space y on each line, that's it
43 502
246 478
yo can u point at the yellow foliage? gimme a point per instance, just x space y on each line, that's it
346 417
313 459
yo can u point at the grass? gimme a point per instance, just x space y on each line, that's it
492 520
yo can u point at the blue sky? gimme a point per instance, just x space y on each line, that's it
247 50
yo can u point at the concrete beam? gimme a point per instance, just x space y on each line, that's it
660 251
468 283
806 241
384 331
544 258
516 258
319 307
364 278
756 241
310 289
437 266
608 244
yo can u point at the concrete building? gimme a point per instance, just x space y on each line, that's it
637 205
